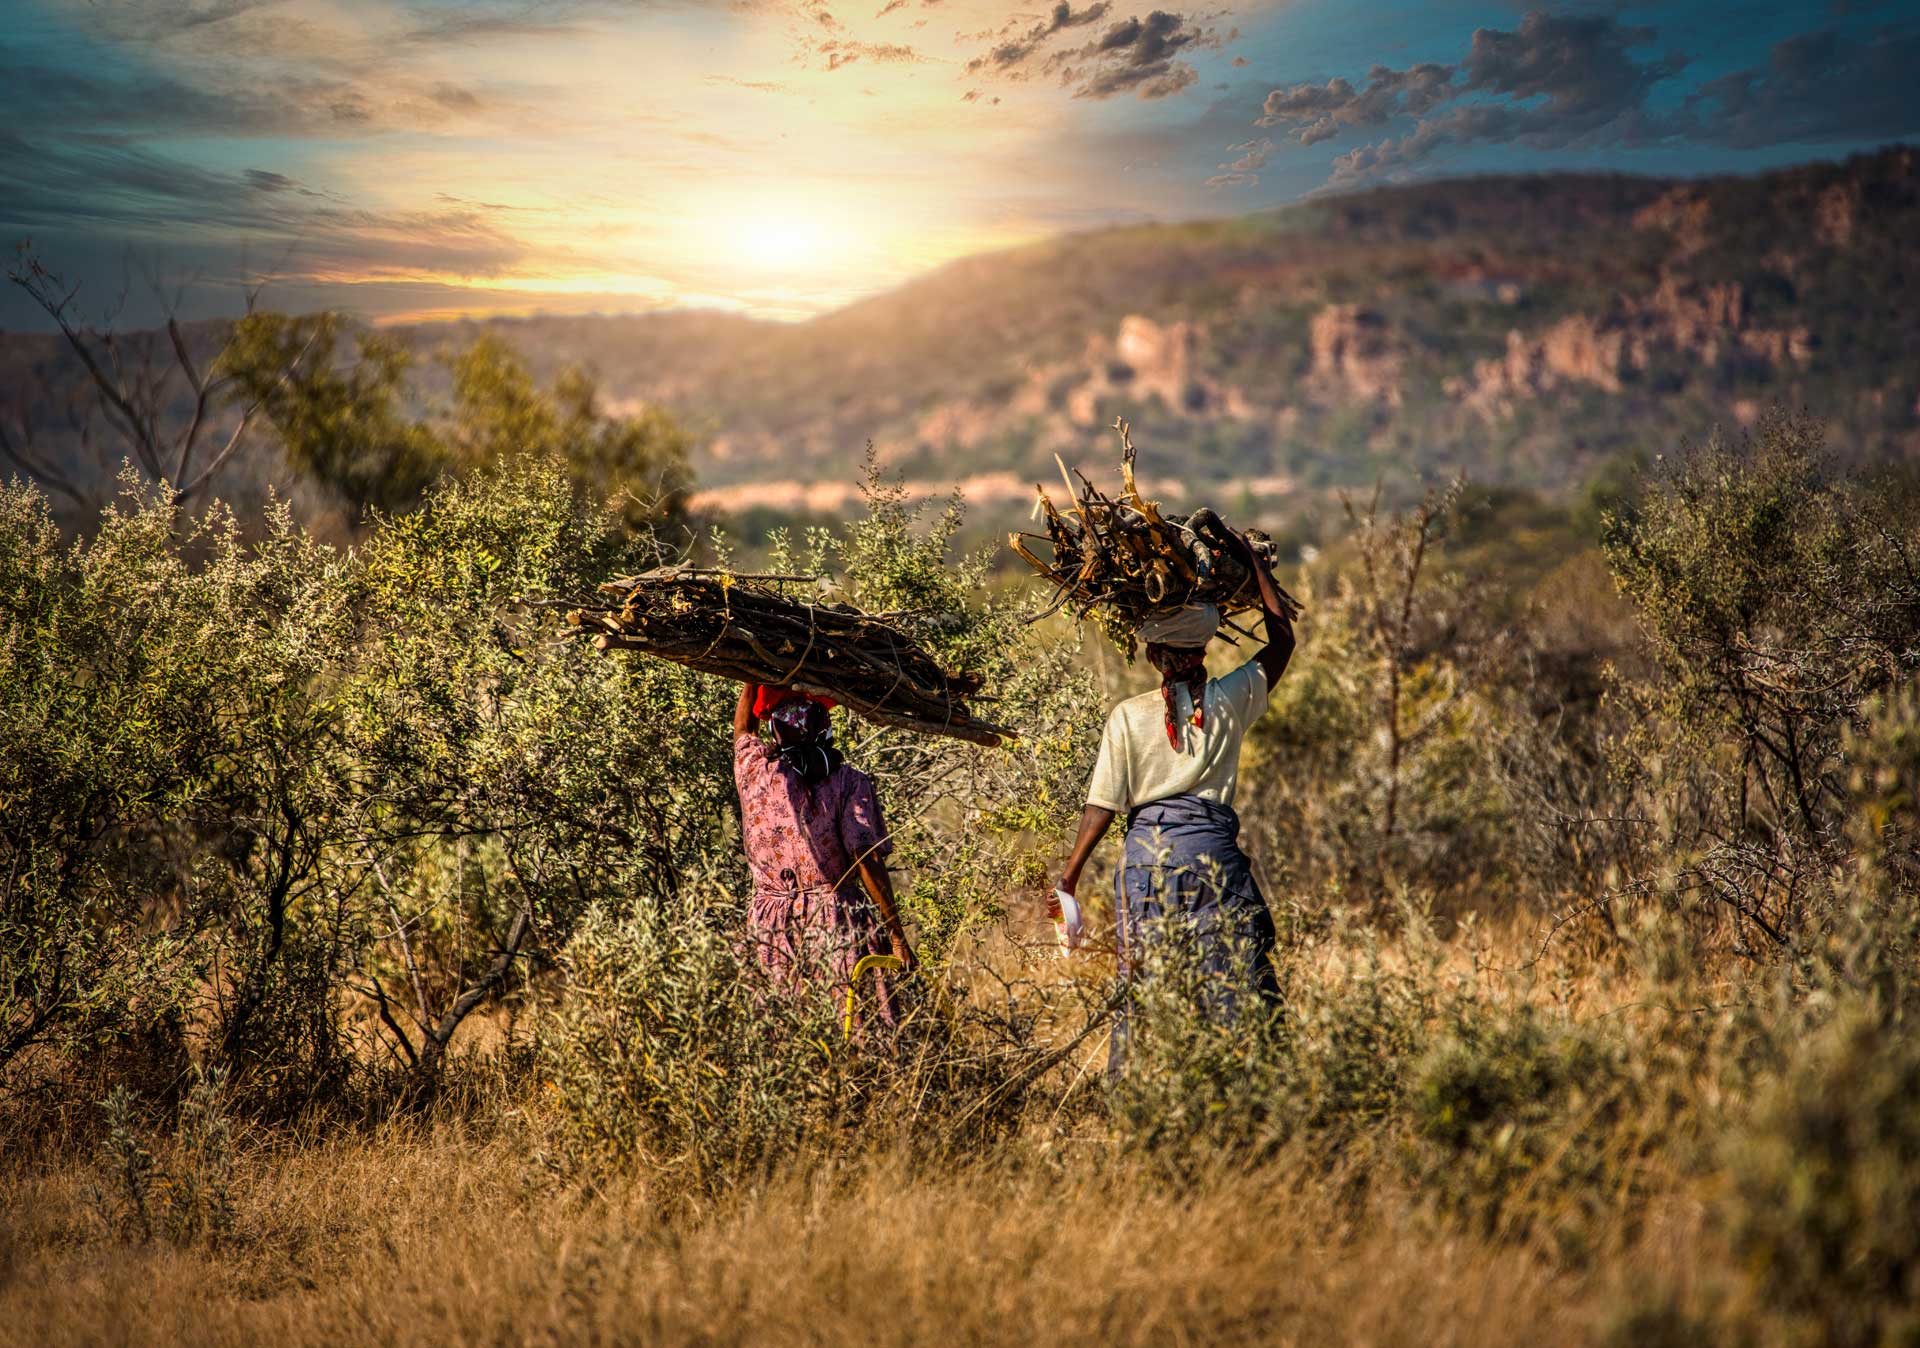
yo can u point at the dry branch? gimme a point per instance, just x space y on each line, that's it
741 628
1124 556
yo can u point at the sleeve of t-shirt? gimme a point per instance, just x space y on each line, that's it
863 831
1245 690
1109 788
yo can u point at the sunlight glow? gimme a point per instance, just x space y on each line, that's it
780 241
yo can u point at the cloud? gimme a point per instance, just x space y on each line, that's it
1817 87
758 86
1134 55
845 53
1245 170
1324 110
106 188
1137 55
1585 82
152 20
1555 81
1253 158
1583 69
1015 52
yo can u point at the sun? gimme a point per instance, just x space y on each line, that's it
781 240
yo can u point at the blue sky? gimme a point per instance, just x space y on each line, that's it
405 158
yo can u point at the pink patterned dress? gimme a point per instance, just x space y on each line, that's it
810 918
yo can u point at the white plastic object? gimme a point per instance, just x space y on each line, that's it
1068 925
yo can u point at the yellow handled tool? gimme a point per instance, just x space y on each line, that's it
877 963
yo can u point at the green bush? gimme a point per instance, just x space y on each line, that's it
673 1048
1826 1182
1520 1122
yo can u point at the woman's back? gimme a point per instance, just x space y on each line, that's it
800 838
1139 764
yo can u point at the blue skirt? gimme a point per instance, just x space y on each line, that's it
1184 878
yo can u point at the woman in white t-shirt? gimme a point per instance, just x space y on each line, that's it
1170 762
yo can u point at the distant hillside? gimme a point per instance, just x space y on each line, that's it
1526 330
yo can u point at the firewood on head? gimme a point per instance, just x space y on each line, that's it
1121 560
739 627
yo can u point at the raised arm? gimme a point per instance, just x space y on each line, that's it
1275 655
744 721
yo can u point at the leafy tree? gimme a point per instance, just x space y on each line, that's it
1775 595
510 780
343 423
164 770
638 462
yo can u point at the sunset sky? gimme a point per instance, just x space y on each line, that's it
782 157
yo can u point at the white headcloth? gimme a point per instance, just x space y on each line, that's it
1193 625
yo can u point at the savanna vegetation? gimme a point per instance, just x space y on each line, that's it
368 968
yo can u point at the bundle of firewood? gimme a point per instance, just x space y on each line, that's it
1126 562
742 627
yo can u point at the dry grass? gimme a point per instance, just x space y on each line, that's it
443 1233
429 1237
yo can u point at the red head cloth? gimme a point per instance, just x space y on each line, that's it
767 696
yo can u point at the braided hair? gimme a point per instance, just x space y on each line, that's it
1181 667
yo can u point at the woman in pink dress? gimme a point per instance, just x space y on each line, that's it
816 845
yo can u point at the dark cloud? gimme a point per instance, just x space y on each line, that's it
1017 51
1583 69
1555 81
44 99
491 22
105 188
1134 55
153 20
1324 110
1815 88
1587 81
1138 55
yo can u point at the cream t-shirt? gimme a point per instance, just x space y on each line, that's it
1138 766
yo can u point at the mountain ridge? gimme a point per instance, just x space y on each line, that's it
1523 329
1479 324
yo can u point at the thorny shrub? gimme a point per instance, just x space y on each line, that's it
674 1050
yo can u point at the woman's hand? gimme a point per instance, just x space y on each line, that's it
902 951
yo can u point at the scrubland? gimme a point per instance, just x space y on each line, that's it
369 976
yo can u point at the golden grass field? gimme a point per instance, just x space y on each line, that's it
442 1231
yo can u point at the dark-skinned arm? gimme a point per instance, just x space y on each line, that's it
879 887
1275 655
744 721
1094 822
